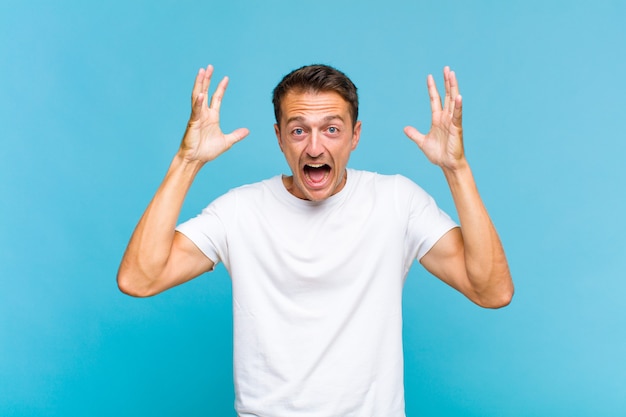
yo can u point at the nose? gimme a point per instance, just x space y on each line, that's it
314 147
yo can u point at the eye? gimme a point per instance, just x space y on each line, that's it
333 130
298 131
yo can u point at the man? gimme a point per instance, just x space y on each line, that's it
318 258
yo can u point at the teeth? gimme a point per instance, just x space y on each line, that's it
316 165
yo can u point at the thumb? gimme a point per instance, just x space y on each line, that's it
415 135
237 134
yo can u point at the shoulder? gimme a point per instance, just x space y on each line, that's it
253 189
389 192
394 183
243 195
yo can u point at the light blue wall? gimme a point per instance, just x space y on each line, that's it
94 98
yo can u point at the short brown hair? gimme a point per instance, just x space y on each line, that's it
317 78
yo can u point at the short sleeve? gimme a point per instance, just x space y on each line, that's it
207 230
426 223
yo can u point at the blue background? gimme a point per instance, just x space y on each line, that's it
94 101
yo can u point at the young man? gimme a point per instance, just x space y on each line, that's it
318 258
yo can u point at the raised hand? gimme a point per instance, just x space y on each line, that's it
204 139
443 144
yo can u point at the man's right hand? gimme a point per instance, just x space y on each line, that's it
204 139
158 258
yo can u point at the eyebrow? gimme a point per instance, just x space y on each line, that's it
325 119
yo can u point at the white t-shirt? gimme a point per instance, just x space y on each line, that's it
317 291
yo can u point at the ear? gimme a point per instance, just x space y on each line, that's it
356 134
277 133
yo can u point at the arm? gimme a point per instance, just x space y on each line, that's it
158 258
470 259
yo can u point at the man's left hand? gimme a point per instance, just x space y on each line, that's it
443 144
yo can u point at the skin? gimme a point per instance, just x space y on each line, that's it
315 130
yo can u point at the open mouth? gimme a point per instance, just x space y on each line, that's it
316 173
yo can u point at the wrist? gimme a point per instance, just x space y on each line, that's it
460 168
183 166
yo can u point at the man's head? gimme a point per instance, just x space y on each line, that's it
315 79
317 129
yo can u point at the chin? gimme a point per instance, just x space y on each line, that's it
321 195
304 193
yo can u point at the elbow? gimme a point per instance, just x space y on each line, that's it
496 288
497 303
127 284
502 299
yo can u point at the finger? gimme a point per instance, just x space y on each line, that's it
454 85
415 135
196 106
447 102
457 115
218 95
435 100
201 85
206 82
197 86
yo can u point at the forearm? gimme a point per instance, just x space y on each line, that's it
150 245
485 260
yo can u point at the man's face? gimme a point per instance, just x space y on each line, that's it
316 136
